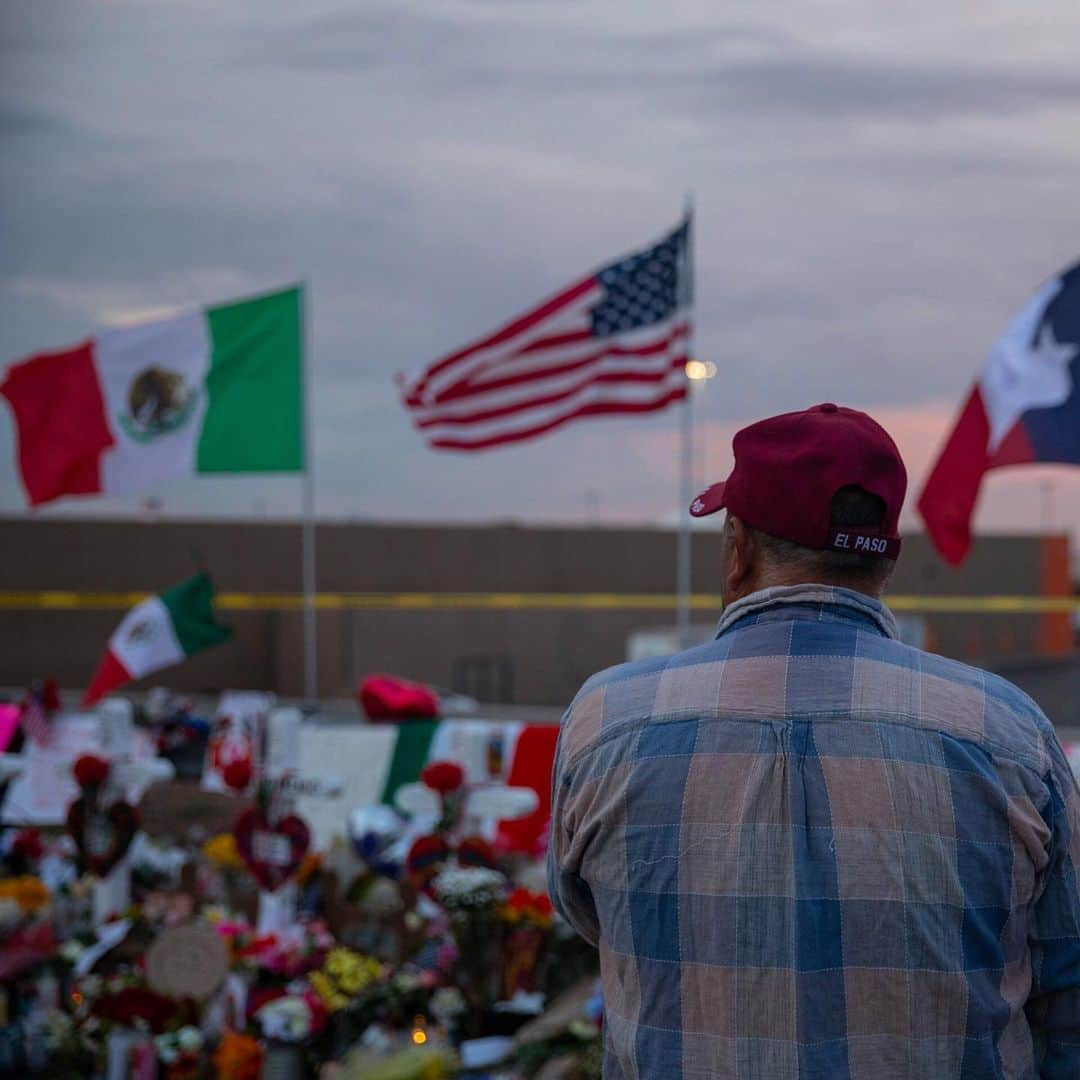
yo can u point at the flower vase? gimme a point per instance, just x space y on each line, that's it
524 952
283 1061
478 936
119 1045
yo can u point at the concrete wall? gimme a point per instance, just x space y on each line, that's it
526 656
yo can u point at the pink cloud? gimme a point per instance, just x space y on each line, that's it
1028 499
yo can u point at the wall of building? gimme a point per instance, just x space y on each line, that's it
524 656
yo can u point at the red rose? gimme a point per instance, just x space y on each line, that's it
91 771
319 1012
25 950
28 844
260 997
520 900
443 776
237 774
535 904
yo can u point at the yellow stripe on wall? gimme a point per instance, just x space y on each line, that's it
55 600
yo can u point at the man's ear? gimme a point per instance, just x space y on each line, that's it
744 559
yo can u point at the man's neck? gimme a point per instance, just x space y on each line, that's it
777 578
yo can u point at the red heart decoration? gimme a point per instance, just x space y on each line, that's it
425 859
272 852
102 838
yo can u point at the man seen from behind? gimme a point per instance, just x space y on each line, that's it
806 849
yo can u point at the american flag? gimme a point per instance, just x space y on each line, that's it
34 719
614 342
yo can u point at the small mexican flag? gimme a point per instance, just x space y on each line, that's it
213 391
159 633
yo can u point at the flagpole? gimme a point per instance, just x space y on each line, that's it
311 669
683 558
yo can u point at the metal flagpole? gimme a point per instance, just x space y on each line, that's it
311 670
683 562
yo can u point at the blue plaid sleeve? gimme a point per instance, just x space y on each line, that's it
1053 1007
570 894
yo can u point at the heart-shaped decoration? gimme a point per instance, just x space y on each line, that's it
425 860
102 835
274 851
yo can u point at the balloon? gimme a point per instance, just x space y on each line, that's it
373 830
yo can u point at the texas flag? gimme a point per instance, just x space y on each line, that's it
1024 408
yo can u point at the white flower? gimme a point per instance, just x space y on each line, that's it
407 981
446 1003
469 886
287 1018
72 951
189 1038
168 1054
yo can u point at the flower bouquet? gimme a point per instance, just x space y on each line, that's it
180 1053
238 1057
287 955
472 897
528 918
289 1021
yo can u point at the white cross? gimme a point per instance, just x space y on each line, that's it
127 774
484 804
281 753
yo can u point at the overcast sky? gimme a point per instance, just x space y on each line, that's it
878 189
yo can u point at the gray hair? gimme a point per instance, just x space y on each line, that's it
851 506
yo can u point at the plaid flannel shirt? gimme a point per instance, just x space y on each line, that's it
806 849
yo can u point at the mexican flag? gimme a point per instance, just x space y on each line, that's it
522 755
159 633
212 391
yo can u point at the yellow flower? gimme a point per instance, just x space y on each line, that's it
344 975
331 997
221 851
27 891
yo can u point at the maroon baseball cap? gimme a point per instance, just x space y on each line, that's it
789 467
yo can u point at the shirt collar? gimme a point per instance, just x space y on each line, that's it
842 604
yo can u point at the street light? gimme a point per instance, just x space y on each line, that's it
700 370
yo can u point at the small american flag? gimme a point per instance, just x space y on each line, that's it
34 718
614 342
